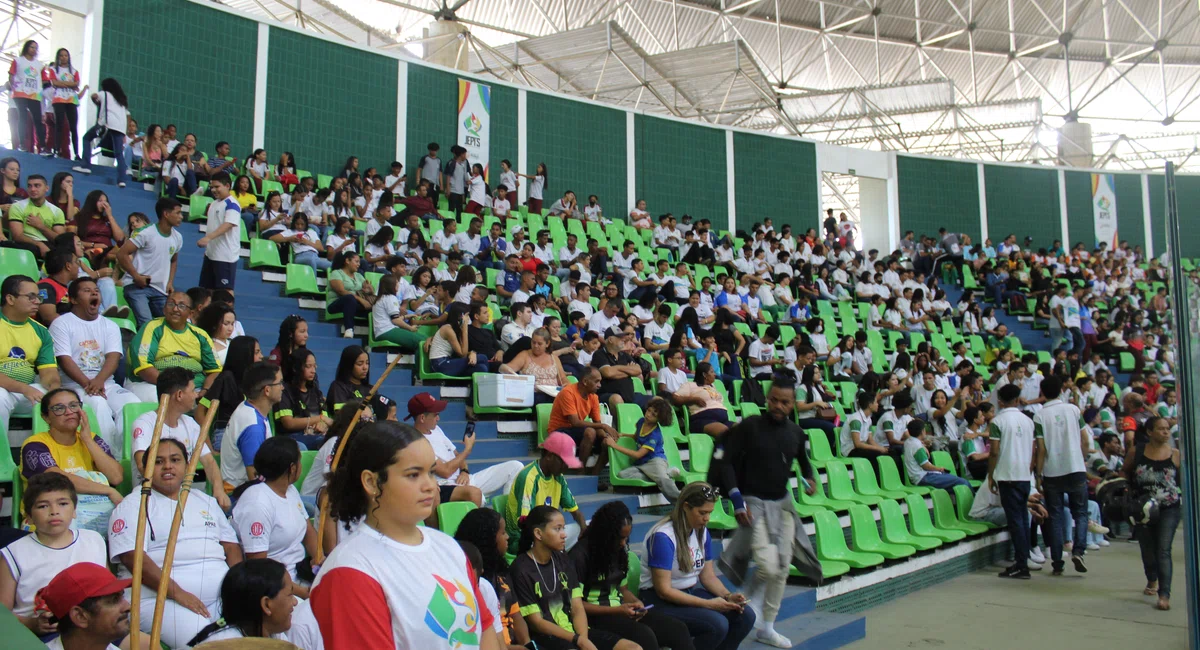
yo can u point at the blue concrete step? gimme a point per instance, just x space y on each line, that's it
495 447
820 630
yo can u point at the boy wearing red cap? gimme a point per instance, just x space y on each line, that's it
90 607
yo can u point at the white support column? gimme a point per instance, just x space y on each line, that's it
401 110
630 162
893 203
730 185
1062 210
260 86
522 146
983 215
1147 218
93 26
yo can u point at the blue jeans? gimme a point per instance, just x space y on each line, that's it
1155 542
942 481
215 438
189 185
457 366
348 307
118 149
146 302
710 630
1077 341
310 258
108 293
1074 487
1013 497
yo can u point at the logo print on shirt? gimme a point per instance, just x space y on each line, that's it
118 526
16 353
448 602
256 529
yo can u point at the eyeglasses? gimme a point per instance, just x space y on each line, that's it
32 297
61 409
182 306
710 493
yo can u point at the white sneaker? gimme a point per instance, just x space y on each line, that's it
1093 547
1096 529
348 334
1033 566
773 638
81 169
1036 555
673 472
1103 542
121 184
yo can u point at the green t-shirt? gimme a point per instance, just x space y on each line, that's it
49 213
349 283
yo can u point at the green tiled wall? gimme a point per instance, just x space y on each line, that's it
775 178
939 194
583 147
1022 201
1158 210
311 122
1130 225
1081 224
207 90
1187 191
433 117
681 169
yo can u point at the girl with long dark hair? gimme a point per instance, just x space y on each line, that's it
243 352
353 381
25 79
299 414
257 600
484 529
64 84
112 120
601 559
293 333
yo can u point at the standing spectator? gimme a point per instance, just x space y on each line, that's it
28 350
170 342
112 123
32 222
542 483
538 184
429 170
88 350
457 176
25 78
1154 470
149 258
249 425
222 240
348 291
1010 474
1062 441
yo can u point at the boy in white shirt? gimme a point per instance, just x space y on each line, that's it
592 211
395 181
581 304
500 203
446 239
468 242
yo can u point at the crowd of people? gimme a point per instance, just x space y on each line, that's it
864 350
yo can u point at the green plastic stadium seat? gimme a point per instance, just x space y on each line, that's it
864 533
425 371
831 544
944 460
945 516
301 280
1127 362
15 261
963 498
618 462
306 462
865 483
633 577
895 531
818 498
819 452
128 416
543 421
198 207
324 180
922 525
450 515
889 478
8 466
264 254
700 451
722 519
841 489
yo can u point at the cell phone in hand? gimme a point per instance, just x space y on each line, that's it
646 608
469 430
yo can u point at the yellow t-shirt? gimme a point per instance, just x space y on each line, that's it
25 349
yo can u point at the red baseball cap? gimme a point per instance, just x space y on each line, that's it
76 584
561 445
422 403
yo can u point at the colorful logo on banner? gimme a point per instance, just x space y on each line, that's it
474 121
1104 209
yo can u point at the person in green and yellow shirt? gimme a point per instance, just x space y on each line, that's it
27 366
34 221
170 342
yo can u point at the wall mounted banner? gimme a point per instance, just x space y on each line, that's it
474 121
1104 210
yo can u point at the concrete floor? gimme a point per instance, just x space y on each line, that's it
1103 609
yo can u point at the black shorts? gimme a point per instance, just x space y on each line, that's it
576 433
697 421
445 492
218 275
599 638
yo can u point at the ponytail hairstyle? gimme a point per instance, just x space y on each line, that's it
693 495
275 458
537 518
372 449
242 591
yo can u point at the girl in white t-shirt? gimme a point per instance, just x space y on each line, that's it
537 187
476 191
639 218
340 238
370 586
29 563
306 244
269 516
257 599
257 168
379 248
508 178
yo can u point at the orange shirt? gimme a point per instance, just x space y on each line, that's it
570 402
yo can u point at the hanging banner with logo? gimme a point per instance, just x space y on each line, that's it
474 121
1104 210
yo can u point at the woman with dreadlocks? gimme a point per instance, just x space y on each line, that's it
601 559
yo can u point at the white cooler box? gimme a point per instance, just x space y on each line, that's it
505 391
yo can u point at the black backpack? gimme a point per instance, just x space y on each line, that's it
752 391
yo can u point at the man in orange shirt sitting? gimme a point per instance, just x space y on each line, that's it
573 407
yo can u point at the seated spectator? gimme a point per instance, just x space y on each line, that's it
148 258
449 350
269 517
707 410
179 173
520 326
299 413
70 242
87 606
576 413
618 368
249 425
258 598
31 562
293 334
61 266
207 546
975 447
921 471
539 363
98 228
553 608
683 585
542 483
986 505
565 207
353 381
33 221
855 439
170 342
451 465
649 457
88 350
244 193
306 244
217 320
227 387
70 448
322 464
348 291
176 384
483 528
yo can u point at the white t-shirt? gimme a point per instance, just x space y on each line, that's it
915 455
86 342
1012 438
322 465
390 180
34 565
600 323
536 186
245 420
467 243
153 256
500 207
672 379
227 247
267 522
305 236
658 334
445 452
1058 426
444 240
386 308
305 633
514 332
660 553
186 431
582 307
199 565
